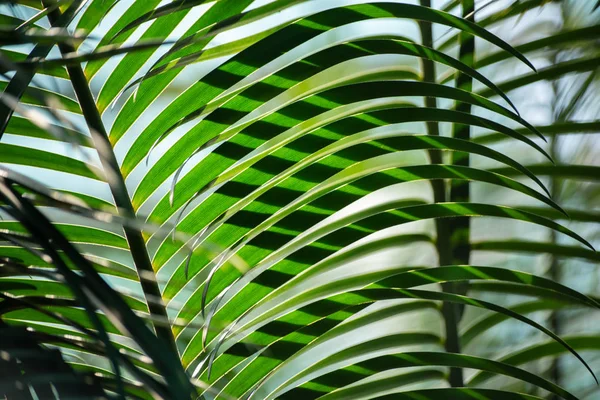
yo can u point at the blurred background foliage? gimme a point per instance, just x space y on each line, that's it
562 100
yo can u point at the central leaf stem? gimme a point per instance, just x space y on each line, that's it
116 182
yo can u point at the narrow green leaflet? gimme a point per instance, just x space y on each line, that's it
52 290
370 364
458 394
575 35
517 8
537 247
101 265
34 96
541 350
24 127
13 154
574 215
489 321
166 10
547 73
78 234
383 385
17 57
581 172
94 13
548 130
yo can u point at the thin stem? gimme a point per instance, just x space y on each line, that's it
555 275
460 190
561 115
554 268
443 242
119 192
460 228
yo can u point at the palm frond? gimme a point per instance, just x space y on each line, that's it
261 233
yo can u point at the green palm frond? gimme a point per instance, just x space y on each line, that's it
259 200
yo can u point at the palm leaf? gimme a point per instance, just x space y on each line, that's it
251 232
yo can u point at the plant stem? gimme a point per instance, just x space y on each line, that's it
460 228
562 113
116 182
554 269
460 190
555 320
443 243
